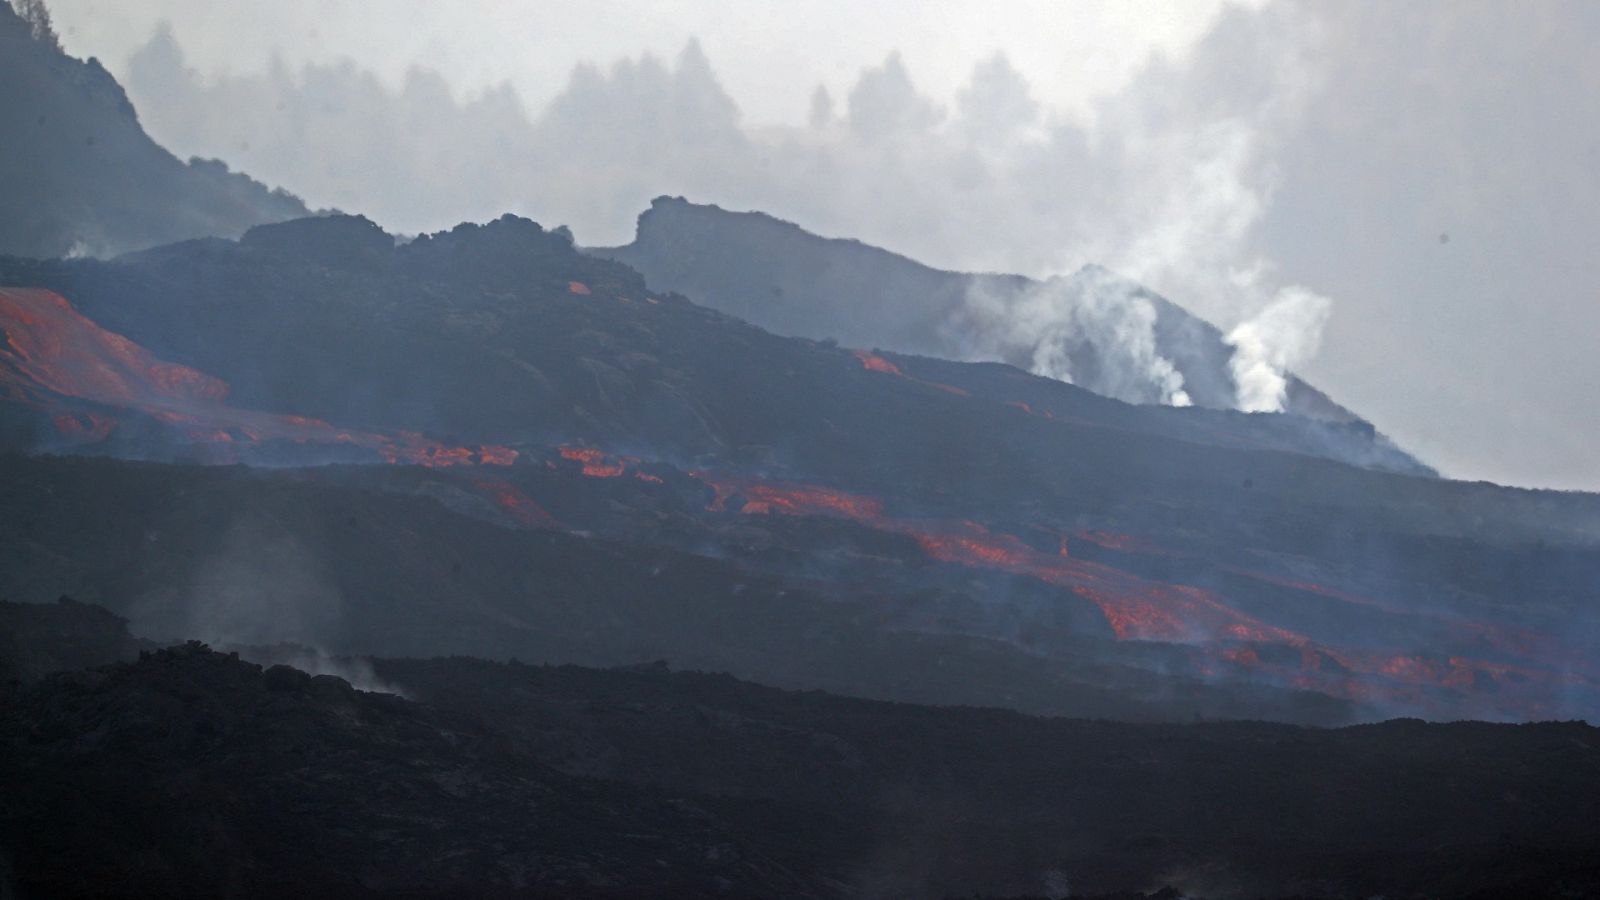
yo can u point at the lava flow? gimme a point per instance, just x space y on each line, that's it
1135 609
522 509
874 363
54 355
596 463
1222 637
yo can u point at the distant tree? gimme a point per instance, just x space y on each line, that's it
884 102
37 15
821 109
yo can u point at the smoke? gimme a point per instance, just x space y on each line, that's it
1183 174
355 670
262 586
1193 173
1282 336
999 182
1056 885
1094 318
265 595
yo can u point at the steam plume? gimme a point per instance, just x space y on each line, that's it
1282 336
1091 316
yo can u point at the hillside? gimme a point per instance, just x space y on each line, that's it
779 276
80 176
1071 553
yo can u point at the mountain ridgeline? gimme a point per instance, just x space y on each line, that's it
80 176
778 276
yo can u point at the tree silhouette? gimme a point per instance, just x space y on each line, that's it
37 15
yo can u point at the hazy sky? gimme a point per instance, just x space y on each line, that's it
770 54
1428 173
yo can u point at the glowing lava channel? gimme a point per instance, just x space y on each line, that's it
1139 609
52 352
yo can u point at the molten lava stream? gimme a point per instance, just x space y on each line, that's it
874 363
52 348
522 509
596 463
1134 608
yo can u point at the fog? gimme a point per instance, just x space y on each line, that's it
1414 185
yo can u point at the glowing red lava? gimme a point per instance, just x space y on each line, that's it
1135 608
810 500
596 463
54 354
1221 637
874 363
1112 541
578 287
524 510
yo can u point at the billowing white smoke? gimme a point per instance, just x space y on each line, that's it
1092 316
1180 176
1265 347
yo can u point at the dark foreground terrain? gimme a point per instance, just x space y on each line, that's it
187 772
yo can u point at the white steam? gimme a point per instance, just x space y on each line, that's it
264 594
1284 335
1176 178
1094 318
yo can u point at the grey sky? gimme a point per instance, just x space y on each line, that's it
769 53
1430 168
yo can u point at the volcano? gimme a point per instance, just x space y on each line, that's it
1187 560
777 275
723 564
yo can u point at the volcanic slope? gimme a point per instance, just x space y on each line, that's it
949 499
79 174
412 561
503 332
779 276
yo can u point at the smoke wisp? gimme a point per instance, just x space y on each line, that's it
1282 336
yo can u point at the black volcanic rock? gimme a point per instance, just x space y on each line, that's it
191 773
39 639
78 174
963 802
512 254
336 241
194 774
